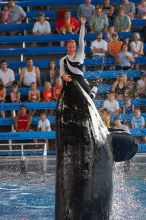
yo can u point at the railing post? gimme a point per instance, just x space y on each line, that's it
45 150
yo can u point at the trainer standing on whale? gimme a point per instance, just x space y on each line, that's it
84 146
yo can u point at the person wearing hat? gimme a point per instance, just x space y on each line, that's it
114 46
98 22
119 126
141 85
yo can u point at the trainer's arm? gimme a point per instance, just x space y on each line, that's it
81 36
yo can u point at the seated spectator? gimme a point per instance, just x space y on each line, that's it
115 45
109 33
48 93
34 93
99 46
119 125
29 74
6 74
119 86
67 24
129 8
99 21
4 15
122 22
111 104
22 120
85 10
128 107
105 116
137 120
108 9
57 88
17 14
15 94
142 9
2 96
42 26
130 88
52 73
124 60
141 85
136 45
44 125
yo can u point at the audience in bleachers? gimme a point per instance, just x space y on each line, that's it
125 59
29 74
52 73
85 10
17 14
122 21
129 8
111 104
15 94
33 95
109 33
4 14
137 121
128 107
57 89
48 95
119 86
142 9
6 74
141 85
115 45
131 88
22 120
2 96
99 21
105 115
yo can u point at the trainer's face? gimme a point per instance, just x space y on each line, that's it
71 48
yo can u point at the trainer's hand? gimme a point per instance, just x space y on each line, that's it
83 20
67 78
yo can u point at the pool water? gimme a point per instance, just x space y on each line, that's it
31 196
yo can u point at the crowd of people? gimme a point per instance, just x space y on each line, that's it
106 21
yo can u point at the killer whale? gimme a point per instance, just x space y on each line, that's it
85 155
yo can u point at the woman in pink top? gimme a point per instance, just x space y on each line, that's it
4 16
142 9
15 95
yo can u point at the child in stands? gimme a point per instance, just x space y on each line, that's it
57 88
15 94
48 95
33 95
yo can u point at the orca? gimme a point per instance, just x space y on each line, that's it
85 157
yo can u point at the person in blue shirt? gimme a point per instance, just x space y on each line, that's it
137 120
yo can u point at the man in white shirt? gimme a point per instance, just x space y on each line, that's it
44 125
99 46
111 104
6 74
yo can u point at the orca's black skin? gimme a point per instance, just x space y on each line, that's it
84 162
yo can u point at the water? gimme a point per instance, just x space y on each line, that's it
31 196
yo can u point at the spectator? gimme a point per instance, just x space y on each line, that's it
122 22
142 9
136 45
23 120
99 46
119 86
99 21
15 94
4 15
6 74
130 88
67 25
29 74
115 45
108 9
57 88
48 93
124 59
109 33
42 26
52 73
105 115
2 96
111 104
17 14
137 120
86 10
129 8
119 125
128 107
34 93
44 125
141 85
